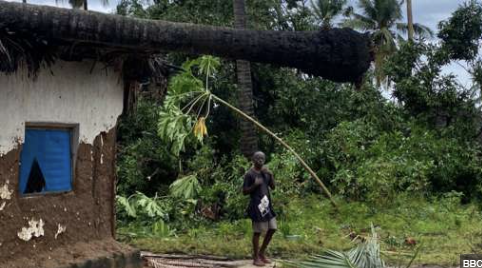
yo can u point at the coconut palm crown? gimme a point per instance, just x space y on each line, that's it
382 19
327 10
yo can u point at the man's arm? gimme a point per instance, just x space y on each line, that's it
271 178
271 182
247 188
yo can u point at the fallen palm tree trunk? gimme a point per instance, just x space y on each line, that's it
341 55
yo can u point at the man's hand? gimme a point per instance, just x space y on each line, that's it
257 182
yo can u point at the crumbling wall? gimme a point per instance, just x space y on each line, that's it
34 227
82 93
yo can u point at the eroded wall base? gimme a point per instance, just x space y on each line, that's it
96 254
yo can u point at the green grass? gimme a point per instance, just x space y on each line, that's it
442 228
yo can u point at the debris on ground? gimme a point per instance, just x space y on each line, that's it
191 261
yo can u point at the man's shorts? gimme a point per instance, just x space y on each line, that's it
264 226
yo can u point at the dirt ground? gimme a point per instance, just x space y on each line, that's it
77 255
182 261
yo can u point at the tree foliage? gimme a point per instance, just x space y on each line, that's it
423 142
461 34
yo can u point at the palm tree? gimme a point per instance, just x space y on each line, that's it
327 10
413 28
410 20
380 17
249 138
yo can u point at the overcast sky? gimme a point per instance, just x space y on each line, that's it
427 12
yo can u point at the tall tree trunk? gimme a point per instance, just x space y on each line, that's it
341 55
411 31
249 138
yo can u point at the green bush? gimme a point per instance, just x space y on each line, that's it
375 165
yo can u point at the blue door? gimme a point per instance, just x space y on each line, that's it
46 163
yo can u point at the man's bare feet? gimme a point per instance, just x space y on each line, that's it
264 259
258 262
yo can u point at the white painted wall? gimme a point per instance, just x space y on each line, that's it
71 95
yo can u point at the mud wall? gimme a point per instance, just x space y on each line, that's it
34 226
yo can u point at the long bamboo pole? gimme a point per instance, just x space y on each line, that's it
263 128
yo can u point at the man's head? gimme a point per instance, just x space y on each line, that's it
258 159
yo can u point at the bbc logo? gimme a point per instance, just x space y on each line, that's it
471 261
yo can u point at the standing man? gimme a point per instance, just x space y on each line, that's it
257 182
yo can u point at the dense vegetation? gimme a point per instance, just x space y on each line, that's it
404 156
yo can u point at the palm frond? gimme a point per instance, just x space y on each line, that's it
401 27
389 11
368 8
422 30
317 9
383 12
18 50
327 10
364 255
360 22
385 40
330 259
348 11
367 254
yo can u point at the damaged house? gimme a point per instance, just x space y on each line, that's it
65 78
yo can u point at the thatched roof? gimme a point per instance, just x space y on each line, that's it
38 35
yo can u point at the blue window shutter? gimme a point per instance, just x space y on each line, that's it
51 148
